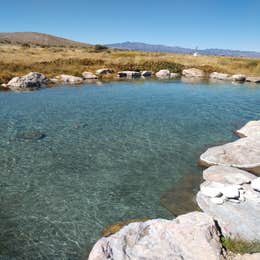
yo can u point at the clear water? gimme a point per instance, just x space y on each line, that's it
109 154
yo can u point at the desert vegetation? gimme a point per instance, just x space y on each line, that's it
19 59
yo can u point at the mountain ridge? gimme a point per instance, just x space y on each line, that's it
140 46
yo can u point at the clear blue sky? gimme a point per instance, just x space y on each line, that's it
233 24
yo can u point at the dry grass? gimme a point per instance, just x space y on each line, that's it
18 60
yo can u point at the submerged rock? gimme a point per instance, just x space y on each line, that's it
30 81
190 236
251 129
163 74
129 74
193 72
30 135
220 76
89 75
185 190
243 153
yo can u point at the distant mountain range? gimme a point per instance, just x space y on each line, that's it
34 38
163 48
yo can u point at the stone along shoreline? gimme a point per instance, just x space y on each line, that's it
229 198
35 80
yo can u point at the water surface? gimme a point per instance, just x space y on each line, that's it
75 159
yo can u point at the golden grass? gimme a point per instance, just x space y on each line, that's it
17 60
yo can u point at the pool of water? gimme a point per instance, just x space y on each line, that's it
75 159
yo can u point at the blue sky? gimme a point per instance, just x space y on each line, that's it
233 24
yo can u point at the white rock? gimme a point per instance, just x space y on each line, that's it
70 79
89 75
255 184
239 78
255 256
253 79
104 71
236 220
193 236
193 72
243 153
220 76
218 201
29 81
251 129
230 192
175 75
163 74
210 190
227 175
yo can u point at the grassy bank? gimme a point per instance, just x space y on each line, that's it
18 60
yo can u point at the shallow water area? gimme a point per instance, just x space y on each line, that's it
75 159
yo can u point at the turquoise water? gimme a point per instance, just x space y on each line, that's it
75 159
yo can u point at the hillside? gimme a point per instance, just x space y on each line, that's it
173 49
38 39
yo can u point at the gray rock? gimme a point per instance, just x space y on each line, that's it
89 75
30 81
191 236
146 73
104 71
227 175
251 129
243 153
193 73
255 184
238 78
236 220
129 74
220 76
163 74
253 79
69 79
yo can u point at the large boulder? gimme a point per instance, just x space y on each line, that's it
251 129
190 236
255 256
30 81
243 153
163 74
193 73
69 79
238 78
89 75
219 76
129 74
227 175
